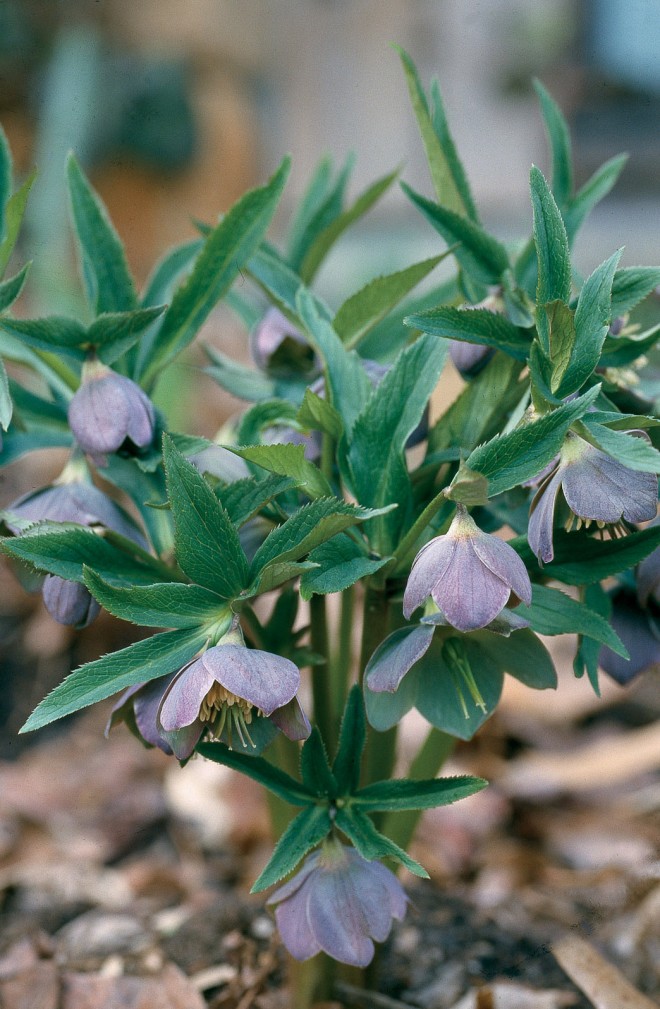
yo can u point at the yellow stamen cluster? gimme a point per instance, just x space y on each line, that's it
615 529
224 710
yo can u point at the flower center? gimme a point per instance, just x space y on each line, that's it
225 712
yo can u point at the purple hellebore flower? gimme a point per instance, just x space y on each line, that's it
72 499
339 903
639 632
648 576
469 358
277 346
469 574
138 708
596 488
223 689
108 410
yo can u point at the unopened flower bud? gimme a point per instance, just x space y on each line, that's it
68 602
109 410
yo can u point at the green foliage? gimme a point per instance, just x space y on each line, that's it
553 612
475 325
165 604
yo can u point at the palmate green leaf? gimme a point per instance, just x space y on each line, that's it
138 663
521 655
396 406
352 738
402 793
13 218
207 546
631 285
511 459
553 612
560 145
581 559
552 252
228 247
370 843
481 256
326 238
367 307
320 214
349 386
108 283
634 452
311 826
244 498
315 769
5 178
593 315
63 549
275 574
113 333
561 339
446 171
271 777
165 604
591 193
10 289
287 460
341 563
308 527
474 325
240 381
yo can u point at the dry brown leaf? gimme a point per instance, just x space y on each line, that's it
600 764
170 990
601 982
509 995
34 988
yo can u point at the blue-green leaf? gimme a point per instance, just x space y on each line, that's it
311 826
560 145
553 612
164 604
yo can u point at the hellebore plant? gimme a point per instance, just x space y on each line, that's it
263 553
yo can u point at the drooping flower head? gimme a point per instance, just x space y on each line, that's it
338 903
279 348
639 629
596 488
72 498
469 574
109 411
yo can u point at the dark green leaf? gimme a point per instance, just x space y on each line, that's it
287 460
10 289
370 843
552 252
315 196
280 282
113 333
244 383
630 450
521 655
368 306
229 245
475 325
167 604
560 145
311 826
481 256
444 695
631 285
441 127
276 574
138 663
560 325
167 271
326 209
272 778
314 767
623 350
326 238
510 459
588 650
207 545
317 414
591 193
13 218
581 559
49 333
244 498
108 283
6 405
341 562
16 444
352 737
553 612
403 793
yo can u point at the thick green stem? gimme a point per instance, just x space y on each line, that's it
311 981
342 659
381 747
325 716
437 746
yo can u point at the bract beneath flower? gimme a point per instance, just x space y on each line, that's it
469 574
338 903
596 488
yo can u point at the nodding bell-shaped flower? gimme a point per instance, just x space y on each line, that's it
280 349
223 690
109 411
596 488
639 629
470 575
339 903
72 498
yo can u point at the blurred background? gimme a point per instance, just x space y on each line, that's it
176 109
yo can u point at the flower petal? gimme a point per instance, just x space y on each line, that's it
396 656
268 681
292 720
429 565
291 918
541 518
99 415
336 918
183 698
469 594
292 885
504 562
601 488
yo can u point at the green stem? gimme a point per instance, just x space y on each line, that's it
435 749
285 755
342 663
311 981
407 547
381 747
325 716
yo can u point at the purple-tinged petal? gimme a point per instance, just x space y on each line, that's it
504 562
397 897
395 656
337 920
292 720
637 632
373 903
99 416
469 594
648 578
183 698
469 358
541 518
429 565
291 918
292 885
266 680
68 602
145 708
183 741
